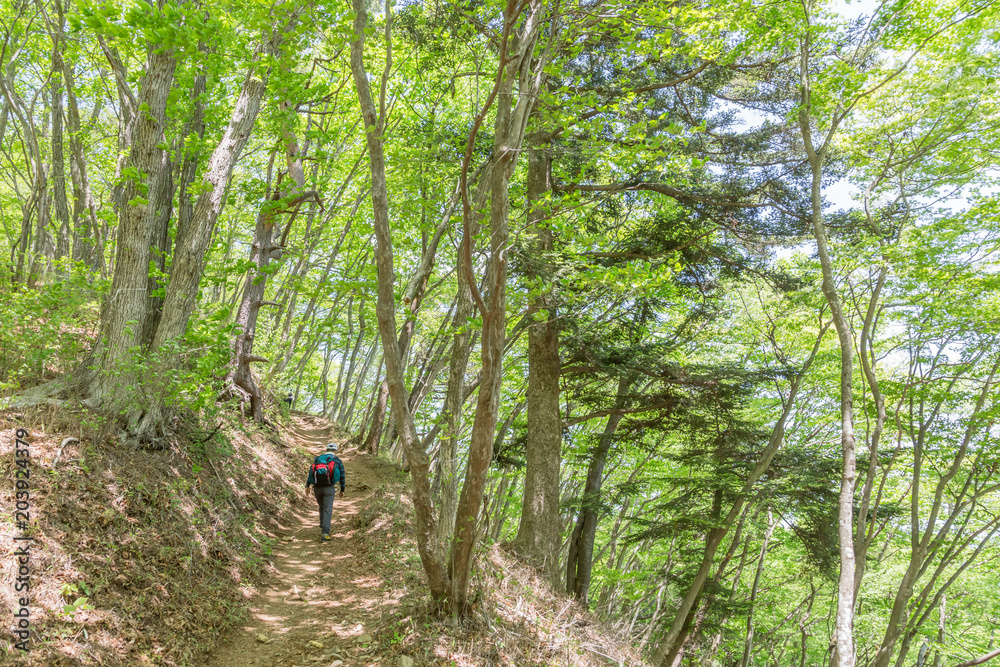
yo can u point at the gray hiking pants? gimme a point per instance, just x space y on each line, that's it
324 497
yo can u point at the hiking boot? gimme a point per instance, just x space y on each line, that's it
325 538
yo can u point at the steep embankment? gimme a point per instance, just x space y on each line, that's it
154 551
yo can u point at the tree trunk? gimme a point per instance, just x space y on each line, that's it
194 235
491 351
327 358
844 620
374 437
449 586
43 248
266 247
348 418
580 561
240 379
748 642
34 205
159 248
370 403
510 124
385 309
350 350
942 619
127 299
538 535
194 128
455 391
63 249
89 245
352 364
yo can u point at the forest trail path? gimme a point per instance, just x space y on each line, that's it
321 591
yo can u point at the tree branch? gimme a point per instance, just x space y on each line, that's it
980 660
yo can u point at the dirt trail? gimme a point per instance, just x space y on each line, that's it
321 591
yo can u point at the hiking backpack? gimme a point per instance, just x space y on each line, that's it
325 472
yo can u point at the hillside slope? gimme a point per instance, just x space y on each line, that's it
213 558
158 550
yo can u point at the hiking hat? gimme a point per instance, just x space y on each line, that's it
332 447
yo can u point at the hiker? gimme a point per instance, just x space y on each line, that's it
288 400
325 473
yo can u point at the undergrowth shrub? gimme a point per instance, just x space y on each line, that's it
48 329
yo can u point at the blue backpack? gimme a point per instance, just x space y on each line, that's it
325 472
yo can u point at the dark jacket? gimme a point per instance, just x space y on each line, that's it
323 458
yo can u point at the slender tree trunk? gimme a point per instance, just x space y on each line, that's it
87 228
374 122
654 618
341 404
327 358
352 364
580 562
43 248
942 620
734 586
34 205
374 436
865 529
194 234
413 297
347 418
510 124
804 627
491 351
844 621
350 346
266 247
370 403
455 395
748 642
240 378
58 161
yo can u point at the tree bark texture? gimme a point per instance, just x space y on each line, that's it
538 536
127 300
